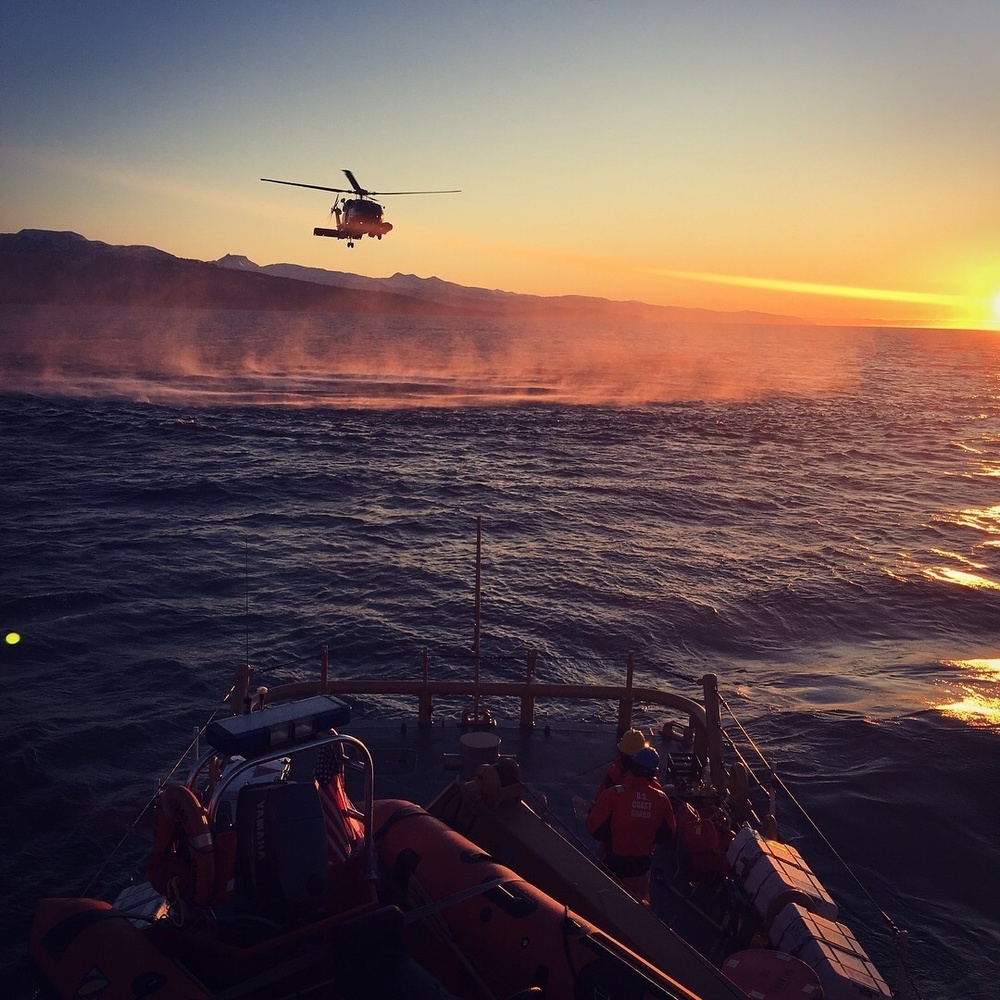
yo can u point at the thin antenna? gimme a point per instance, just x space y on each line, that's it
246 591
479 610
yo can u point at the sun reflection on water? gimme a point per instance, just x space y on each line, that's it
970 572
948 574
985 519
978 688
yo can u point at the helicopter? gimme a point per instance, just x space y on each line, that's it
356 217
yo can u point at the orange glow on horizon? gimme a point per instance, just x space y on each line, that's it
243 222
974 308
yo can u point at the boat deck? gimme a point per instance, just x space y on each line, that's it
562 766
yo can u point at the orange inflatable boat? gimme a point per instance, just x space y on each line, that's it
512 937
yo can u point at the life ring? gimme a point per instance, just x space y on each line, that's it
177 806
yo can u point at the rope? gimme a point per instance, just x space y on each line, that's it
433 908
736 750
142 812
438 927
556 821
899 934
798 805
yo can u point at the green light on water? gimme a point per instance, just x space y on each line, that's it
12 638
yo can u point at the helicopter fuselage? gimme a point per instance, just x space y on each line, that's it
357 218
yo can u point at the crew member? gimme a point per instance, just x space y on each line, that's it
629 818
630 743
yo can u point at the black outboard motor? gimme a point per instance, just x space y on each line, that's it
282 860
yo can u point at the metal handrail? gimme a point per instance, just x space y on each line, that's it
312 743
704 723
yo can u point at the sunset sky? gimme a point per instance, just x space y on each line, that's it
831 159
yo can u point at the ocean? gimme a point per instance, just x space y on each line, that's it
813 513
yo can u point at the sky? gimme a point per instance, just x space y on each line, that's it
836 160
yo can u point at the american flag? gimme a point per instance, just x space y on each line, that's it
343 829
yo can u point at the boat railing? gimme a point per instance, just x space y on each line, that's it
314 742
703 730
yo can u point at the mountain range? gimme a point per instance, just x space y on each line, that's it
42 266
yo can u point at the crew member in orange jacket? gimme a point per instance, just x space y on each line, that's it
628 746
629 818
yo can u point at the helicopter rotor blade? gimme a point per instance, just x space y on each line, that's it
356 188
382 194
354 184
314 187
365 193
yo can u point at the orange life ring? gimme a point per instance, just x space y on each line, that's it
177 806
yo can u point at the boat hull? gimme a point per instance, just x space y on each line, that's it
85 947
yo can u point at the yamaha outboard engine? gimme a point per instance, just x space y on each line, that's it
282 854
